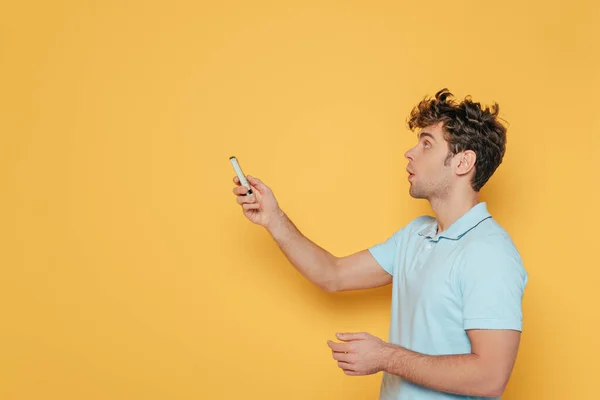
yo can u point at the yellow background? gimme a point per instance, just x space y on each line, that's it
128 269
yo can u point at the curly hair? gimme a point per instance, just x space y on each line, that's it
467 126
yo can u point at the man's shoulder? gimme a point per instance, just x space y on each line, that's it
490 231
490 240
421 221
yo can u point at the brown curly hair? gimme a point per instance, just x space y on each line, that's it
467 126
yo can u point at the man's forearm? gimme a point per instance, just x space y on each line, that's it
311 260
464 374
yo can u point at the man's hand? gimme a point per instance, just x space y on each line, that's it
362 354
260 207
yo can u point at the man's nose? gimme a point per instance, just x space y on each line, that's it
408 154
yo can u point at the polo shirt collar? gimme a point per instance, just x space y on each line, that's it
465 223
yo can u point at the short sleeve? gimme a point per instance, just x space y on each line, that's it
492 284
385 252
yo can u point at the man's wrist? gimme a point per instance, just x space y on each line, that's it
391 359
277 223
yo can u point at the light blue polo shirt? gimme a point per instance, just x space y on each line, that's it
468 277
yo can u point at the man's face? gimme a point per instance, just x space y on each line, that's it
428 176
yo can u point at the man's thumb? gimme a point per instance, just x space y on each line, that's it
349 336
256 183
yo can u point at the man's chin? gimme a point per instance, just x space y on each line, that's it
416 194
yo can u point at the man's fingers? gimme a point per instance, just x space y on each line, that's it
246 199
236 180
240 190
342 357
345 366
352 373
343 347
251 206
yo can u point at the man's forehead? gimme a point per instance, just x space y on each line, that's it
436 131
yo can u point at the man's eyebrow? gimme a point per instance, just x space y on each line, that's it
426 134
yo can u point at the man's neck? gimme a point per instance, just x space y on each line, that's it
450 208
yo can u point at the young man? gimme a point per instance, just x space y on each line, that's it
458 280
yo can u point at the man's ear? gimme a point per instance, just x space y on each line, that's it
466 162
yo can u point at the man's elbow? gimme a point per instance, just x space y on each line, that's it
495 387
494 392
330 286
331 282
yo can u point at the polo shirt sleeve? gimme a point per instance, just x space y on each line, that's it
385 252
492 284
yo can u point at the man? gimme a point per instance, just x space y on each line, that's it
458 280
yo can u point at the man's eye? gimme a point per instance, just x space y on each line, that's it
426 144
